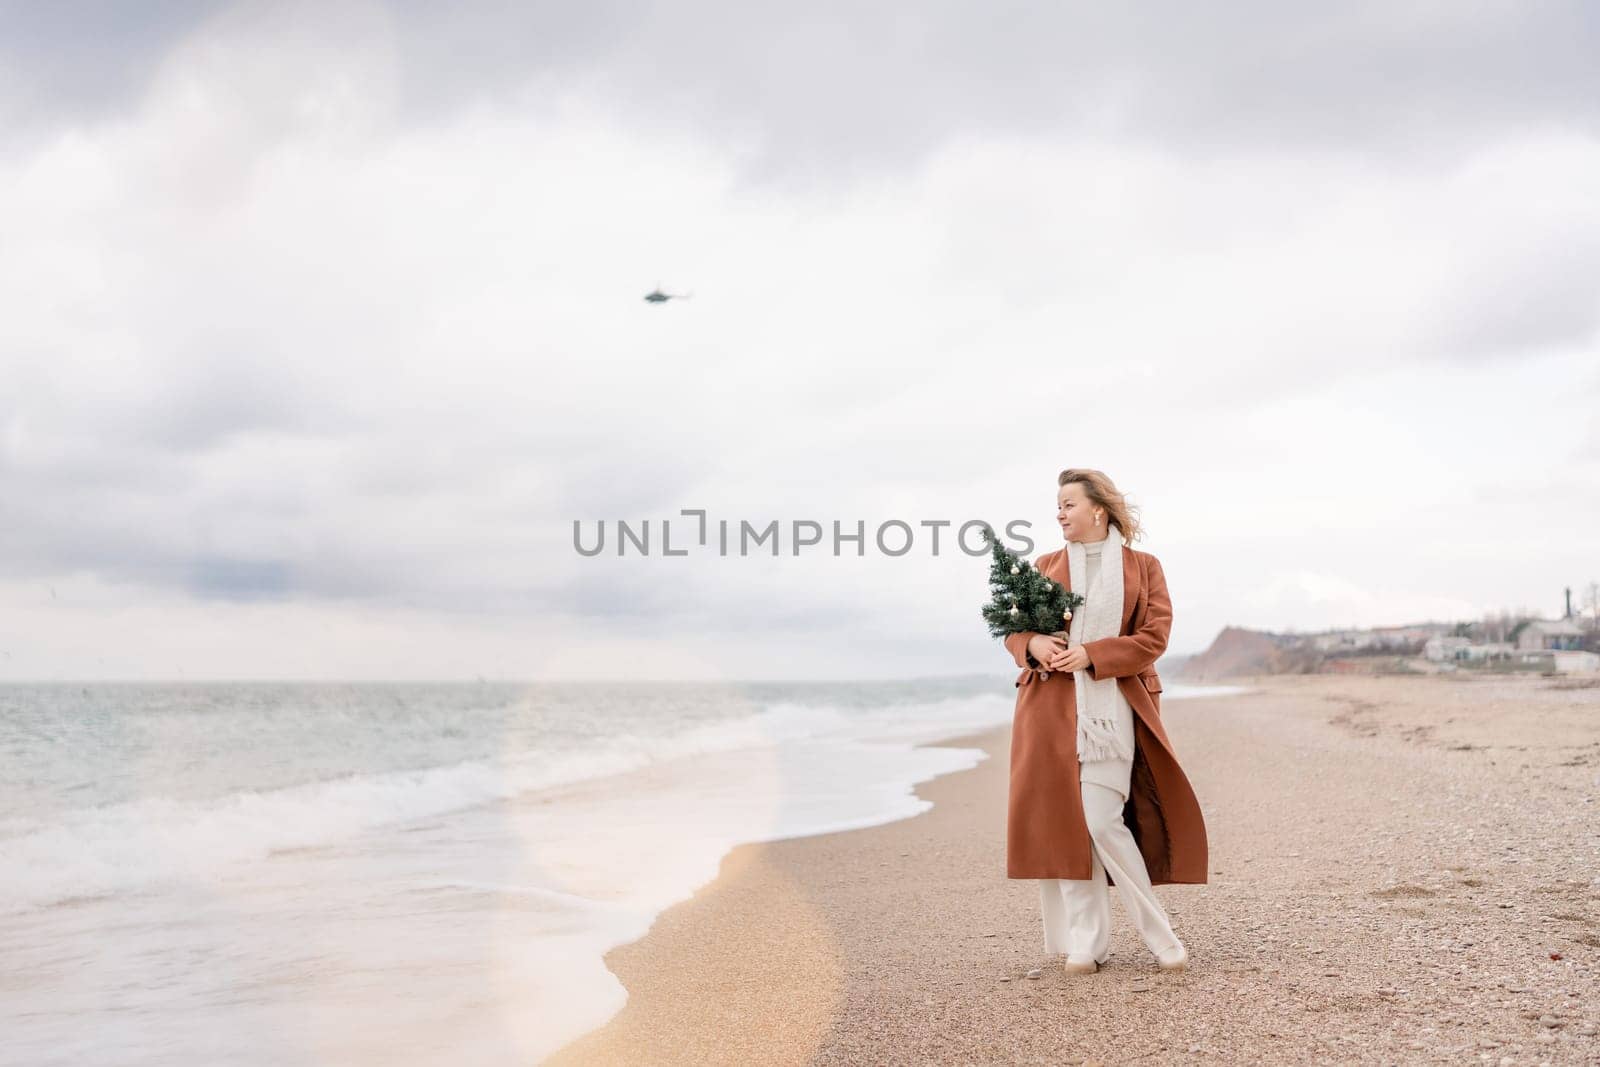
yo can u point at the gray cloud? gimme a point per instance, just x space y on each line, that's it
83 60
1544 296
227 578
813 94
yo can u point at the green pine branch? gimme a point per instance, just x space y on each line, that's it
1022 599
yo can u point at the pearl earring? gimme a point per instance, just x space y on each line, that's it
1097 520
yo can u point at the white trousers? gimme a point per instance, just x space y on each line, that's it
1077 911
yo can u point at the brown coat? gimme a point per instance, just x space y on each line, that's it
1046 836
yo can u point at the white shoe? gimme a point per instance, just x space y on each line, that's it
1074 966
1173 959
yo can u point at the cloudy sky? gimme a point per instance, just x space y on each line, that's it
322 323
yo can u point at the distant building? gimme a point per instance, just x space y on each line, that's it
1564 661
1542 636
1577 662
1403 636
1344 641
1448 649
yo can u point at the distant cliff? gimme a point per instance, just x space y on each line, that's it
1237 652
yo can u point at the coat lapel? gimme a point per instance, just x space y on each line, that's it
1130 588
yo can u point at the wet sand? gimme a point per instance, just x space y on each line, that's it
1403 870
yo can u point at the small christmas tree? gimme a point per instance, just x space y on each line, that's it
1022 599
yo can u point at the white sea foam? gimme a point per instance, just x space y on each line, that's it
138 843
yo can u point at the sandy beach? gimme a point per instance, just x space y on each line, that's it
1403 870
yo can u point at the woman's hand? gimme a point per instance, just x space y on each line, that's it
1044 648
1073 659
1054 655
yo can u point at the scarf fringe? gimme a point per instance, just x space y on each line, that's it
1101 742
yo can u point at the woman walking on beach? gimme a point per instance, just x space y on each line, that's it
1097 797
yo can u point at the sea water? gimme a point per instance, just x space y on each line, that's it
265 873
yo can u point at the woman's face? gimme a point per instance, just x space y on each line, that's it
1076 513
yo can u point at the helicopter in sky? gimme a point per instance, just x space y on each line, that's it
656 296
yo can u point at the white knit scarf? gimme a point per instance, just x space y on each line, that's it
1100 616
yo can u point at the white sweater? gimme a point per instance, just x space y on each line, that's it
1112 772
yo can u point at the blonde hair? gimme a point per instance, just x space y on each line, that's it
1101 490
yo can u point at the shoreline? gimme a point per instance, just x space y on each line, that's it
905 942
772 942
